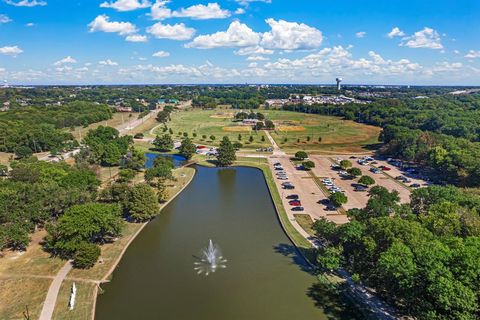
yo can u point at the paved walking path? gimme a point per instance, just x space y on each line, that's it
51 299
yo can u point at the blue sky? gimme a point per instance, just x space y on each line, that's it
240 41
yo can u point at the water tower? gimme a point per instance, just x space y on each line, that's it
339 85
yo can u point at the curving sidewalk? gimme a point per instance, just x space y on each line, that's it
51 299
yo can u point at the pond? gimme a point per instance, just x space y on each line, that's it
264 278
178 160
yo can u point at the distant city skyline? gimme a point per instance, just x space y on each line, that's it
48 42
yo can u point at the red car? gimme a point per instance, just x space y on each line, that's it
295 203
384 168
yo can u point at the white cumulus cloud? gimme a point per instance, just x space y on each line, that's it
26 3
177 31
203 12
360 34
426 38
160 11
136 38
66 60
286 35
396 32
4 19
108 62
161 54
237 35
102 23
253 51
11 51
472 54
126 5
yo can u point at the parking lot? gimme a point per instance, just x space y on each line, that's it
307 190
358 199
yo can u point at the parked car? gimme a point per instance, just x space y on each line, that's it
293 196
298 209
282 178
288 187
279 168
415 185
295 203
385 168
374 170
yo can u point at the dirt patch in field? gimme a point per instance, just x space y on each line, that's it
310 122
222 116
237 129
290 128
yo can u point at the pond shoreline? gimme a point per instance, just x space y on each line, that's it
124 250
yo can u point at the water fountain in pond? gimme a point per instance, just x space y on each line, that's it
210 260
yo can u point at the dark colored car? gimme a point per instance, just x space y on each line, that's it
415 185
298 209
288 187
293 196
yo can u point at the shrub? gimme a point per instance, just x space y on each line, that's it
86 255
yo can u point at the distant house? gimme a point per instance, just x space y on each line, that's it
6 106
124 109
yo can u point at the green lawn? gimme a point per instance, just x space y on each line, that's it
336 135
326 134
211 122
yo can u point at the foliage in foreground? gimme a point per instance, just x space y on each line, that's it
424 257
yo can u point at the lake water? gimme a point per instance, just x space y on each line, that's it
264 278
178 160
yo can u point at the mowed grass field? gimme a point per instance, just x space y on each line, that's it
213 122
327 134
291 132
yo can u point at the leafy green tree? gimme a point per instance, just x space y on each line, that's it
90 222
239 137
161 170
226 153
355 172
142 203
345 164
338 198
212 137
187 148
269 125
308 165
237 145
134 159
163 143
250 139
366 180
163 116
86 255
330 257
126 175
301 155
22 152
